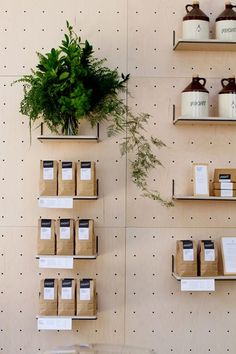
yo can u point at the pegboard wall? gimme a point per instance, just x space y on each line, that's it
139 302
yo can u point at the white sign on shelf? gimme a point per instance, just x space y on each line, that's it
56 202
54 323
229 255
58 262
197 284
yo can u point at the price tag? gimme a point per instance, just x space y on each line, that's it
56 202
54 323
197 284
56 262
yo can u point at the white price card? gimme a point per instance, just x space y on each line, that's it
197 284
229 255
226 193
55 323
66 174
226 185
85 174
48 173
85 294
201 182
83 233
56 202
56 262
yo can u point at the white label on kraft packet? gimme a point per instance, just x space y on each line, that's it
85 294
85 174
66 174
64 233
66 293
188 255
209 255
48 294
45 233
83 233
48 173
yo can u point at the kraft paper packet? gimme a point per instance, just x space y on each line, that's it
86 179
208 258
65 237
86 297
46 237
66 297
48 178
48 297
186 258
66 178
225 175
85 241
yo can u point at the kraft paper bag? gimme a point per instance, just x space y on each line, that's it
208 258
48 297
85 241
86 179
66 178
225 175
86 297
48 178
66 297
65 236
186 258
46 237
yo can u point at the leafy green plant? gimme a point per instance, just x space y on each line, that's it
69 85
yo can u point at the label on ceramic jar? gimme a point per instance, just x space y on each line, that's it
194 104
226 30
227 105
195 29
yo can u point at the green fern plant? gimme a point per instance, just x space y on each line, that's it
69 85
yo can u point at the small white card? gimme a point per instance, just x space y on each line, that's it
226 193
66 174
209 255
64 233
85 174
197 284
201 183
48 173
226 185
66 293
56 202
56 262
45 233
188 255
48 294
229 255
85 294
53 323
83 233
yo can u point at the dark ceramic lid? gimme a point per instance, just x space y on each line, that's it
196 85
228 13
194 13
229 85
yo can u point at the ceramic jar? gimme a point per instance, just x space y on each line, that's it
195 23
194 99
226 24
227 98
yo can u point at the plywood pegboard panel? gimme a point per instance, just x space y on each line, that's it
139 302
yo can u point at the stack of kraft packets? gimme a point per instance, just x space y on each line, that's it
224 184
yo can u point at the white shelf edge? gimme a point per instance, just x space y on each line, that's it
66 256
78 138
205 120
212 43
218 277
74 318
187 197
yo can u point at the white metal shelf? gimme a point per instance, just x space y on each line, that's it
66 138
218 277
204 45
204 121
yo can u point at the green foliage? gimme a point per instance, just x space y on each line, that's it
69 84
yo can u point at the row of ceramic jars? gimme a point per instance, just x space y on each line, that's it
196 23
195 99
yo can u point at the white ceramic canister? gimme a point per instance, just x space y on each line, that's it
227 98
195 23
226 24
194 99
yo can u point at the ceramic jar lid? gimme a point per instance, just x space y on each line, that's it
229 85
196 85
195 13
228 13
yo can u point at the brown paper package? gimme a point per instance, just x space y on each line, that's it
65 246
86 307
48 307
218 185
225 173
66 186
85 247
66 307
186 268
47 246
224 193
86 187
208 268
48 187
